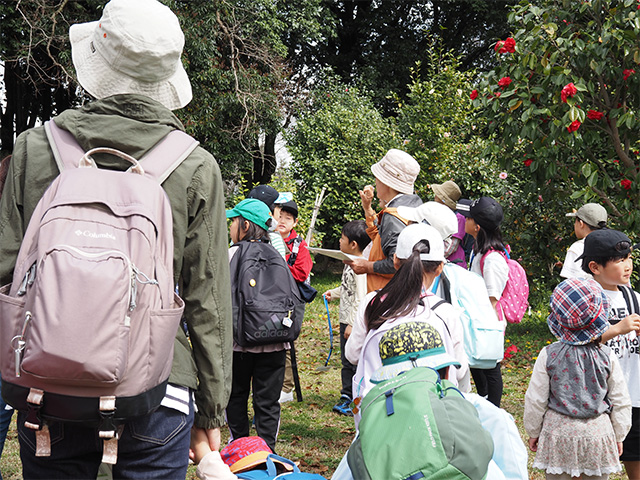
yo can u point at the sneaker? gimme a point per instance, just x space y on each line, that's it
286 397
343 407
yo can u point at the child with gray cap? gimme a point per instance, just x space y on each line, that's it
588 218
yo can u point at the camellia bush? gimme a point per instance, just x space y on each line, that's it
563 102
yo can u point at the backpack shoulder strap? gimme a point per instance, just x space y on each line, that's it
446 288
295 247
393 211
433 309
168 154
66 149
630 299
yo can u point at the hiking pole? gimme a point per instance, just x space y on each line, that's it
294 370
326 363
326 305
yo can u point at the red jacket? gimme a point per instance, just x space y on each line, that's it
303 264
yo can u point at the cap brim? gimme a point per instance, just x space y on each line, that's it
100 80
572 214
410 213
255 459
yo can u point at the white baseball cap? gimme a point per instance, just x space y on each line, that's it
439 216
412 234
135 47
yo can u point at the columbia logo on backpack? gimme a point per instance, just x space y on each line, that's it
90 320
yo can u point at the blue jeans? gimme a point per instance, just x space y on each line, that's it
155 446
5 421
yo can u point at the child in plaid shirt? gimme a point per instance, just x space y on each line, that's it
577 408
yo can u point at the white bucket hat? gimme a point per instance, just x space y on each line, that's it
397 170
435 214
412 234
134 48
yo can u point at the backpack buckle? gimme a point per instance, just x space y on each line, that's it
107 428
35 400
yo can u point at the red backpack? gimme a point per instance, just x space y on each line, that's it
514 301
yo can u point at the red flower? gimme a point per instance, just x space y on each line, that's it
506 46
474 95
575 125
528 162
504 82
627 73
498 94
510 351
568 91
509 46
594 115
626 184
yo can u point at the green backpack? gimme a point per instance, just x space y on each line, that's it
417 426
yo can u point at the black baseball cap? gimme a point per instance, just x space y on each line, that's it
265 194
290 207
485 211
606 243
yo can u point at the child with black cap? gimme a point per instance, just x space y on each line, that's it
483 219
577 407
607 256
300 264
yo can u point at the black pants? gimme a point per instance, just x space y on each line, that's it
263 373
489 383
348 369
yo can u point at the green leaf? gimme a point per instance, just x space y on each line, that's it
573 113
586 169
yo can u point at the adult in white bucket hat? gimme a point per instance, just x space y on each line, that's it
395 175
129 60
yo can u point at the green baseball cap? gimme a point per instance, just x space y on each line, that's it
253 210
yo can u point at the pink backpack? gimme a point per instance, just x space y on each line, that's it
89 322
514 301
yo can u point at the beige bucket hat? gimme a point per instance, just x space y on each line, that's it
134 48
397 170
449 192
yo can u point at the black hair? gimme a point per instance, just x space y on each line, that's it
488 240
401 295
356 231
289 210
253 231
600 226
602 261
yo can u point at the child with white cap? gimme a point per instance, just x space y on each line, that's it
419 258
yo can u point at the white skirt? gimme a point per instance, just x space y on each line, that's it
577 446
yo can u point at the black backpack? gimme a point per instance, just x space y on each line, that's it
267 307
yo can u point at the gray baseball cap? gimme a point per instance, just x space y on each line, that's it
593 214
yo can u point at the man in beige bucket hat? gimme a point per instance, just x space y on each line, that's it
395 175
130 62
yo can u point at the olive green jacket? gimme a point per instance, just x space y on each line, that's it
133 124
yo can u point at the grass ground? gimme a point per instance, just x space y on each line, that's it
316 437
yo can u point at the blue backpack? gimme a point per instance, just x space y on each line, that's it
483 333
272 473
